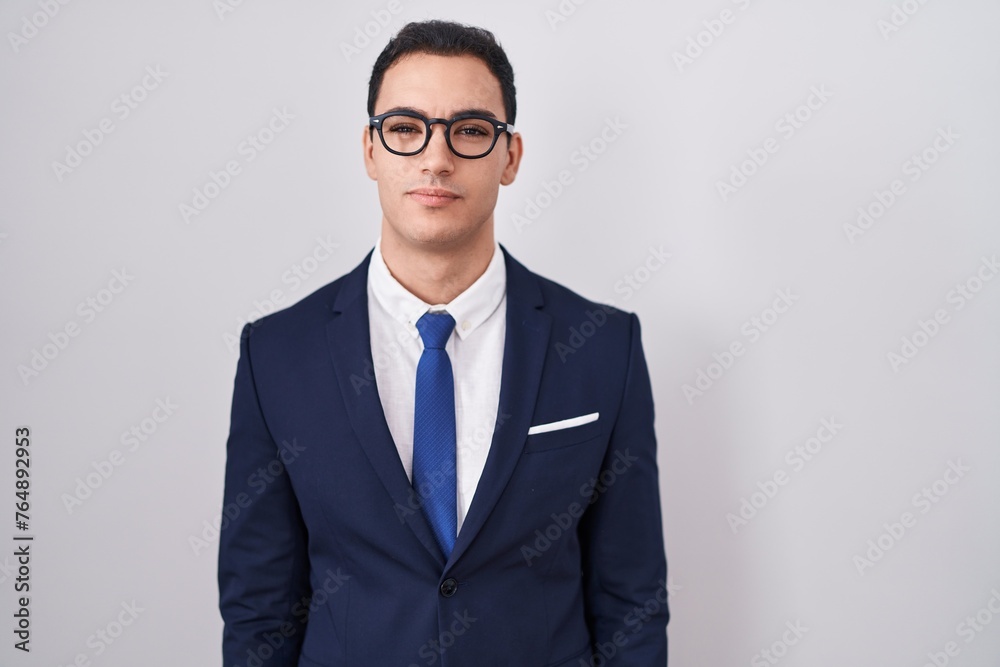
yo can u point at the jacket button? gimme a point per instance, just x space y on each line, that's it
448 587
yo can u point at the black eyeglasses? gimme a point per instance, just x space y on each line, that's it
468 136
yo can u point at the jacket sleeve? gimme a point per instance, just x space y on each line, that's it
624 563
263 559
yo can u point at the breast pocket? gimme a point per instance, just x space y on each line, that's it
563 437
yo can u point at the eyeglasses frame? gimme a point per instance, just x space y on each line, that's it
499 127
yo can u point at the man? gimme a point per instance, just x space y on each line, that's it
428 462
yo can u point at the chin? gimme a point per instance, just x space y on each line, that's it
437 232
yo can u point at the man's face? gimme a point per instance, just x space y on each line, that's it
436 198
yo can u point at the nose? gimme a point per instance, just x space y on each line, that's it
436 156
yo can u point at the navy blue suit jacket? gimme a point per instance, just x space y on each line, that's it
326 559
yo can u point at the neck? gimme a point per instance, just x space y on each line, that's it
437 273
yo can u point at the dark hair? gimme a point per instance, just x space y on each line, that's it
445 38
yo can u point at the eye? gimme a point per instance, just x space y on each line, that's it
404 128
472 130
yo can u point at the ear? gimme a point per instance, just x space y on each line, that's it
514 152
369 151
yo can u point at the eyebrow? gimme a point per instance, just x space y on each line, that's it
472 110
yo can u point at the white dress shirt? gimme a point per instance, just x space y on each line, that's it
476 352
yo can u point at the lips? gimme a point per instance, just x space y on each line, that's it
433 196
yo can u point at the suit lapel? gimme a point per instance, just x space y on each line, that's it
525 342
349 338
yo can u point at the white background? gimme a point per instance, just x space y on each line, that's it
687 125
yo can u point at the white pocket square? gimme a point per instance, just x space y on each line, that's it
563 423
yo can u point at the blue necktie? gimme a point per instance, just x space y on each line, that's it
434 430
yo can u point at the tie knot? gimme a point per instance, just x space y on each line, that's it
435 328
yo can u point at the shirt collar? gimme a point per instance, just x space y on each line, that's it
470 308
